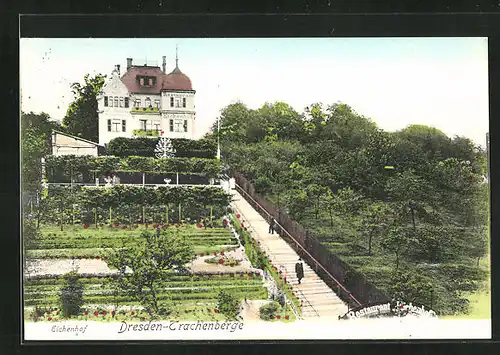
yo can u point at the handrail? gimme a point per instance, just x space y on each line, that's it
301 247
314 309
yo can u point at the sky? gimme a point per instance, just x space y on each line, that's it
439 82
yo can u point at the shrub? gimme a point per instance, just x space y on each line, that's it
224 261
267 311
228 304
143 146
71 295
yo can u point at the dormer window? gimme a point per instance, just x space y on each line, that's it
146 81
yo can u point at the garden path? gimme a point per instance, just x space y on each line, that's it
62 266
318 300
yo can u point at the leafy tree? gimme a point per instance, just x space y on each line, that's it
144 267
297 202
375 219
398 241
233 122
71 295
412 194
228 304
82 116
411 287
316 193
36 132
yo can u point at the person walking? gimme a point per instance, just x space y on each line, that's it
299 270
272 225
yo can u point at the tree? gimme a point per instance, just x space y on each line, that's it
36 132
228 304
144 267
82 116
316 193
398 240
374 221
164 148
71 295
410 287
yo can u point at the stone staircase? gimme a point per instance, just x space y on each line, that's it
318 300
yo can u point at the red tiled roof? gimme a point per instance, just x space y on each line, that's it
176 80
130 81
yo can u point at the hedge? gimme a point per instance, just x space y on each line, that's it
142 146
129 204
66 167
141 195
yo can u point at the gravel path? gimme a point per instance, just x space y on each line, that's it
62 266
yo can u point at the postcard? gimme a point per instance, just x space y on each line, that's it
255 189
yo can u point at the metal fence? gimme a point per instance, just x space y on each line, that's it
350 285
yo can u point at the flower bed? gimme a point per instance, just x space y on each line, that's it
222 260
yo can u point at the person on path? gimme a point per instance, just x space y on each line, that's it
299 270
272 225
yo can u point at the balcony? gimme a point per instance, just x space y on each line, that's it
145 110
146 133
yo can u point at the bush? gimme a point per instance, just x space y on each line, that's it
228 304
223 261
267 311
143 146
71 295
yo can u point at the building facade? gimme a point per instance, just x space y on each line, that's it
146 101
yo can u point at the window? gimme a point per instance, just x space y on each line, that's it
141 81
121 101
150 80
183 102
157 126
143 124
178 126
124 126
185 125
114 125
126 102
105 101
171 125
116 101
157 104
177 102
138 103
148 102
111 101
171 102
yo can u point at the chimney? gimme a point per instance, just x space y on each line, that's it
129 63
164 65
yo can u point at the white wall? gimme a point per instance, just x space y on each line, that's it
115 87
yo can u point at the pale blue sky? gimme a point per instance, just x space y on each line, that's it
442 82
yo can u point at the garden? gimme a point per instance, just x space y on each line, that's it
136 252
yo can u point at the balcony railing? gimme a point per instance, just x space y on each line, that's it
146 132
145 109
